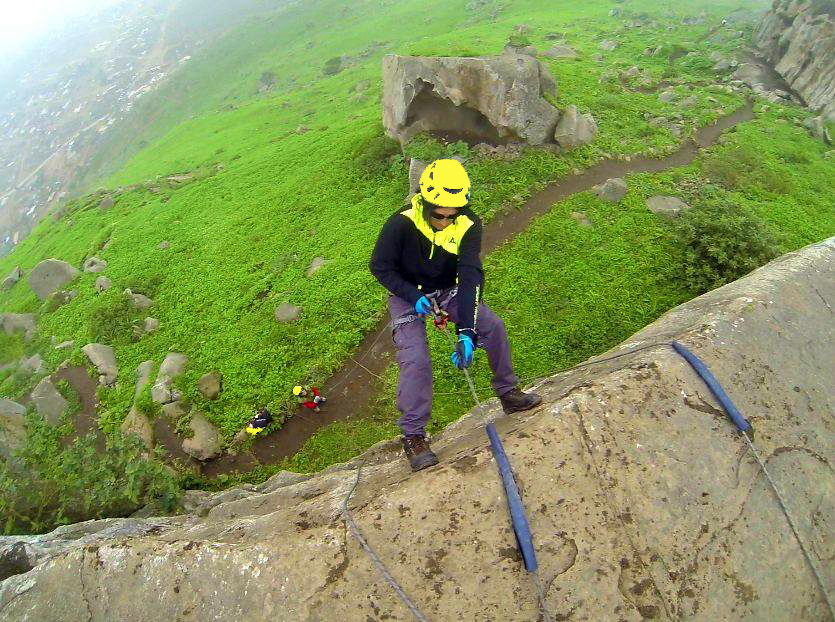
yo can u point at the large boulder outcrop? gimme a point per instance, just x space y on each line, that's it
496 98
642 498
798 39
49 276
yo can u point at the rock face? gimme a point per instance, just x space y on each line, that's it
49 276
496 98
798 39
642 498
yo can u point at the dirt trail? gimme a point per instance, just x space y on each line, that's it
350 389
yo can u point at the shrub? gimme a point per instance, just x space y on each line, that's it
722 242
145 285
518 41
333 66
50 485
111 322
743 166
373 155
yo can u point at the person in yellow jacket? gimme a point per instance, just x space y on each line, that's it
431 251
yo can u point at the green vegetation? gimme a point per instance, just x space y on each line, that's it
267 199
51 483
723 242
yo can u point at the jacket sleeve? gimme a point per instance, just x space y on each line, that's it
470 280
386 257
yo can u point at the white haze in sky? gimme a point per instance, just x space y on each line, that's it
22 21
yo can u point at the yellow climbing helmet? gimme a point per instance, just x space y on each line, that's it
253 431
445 183
297 390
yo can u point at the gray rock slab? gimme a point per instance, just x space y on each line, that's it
210 385
667 206
612 190
13 322
12 427
285 312
104 359
173 365
143 376
137 424
560 51
205 442
317 264
14 276
34 364
49 276
103 284
94 264
575 129
426 93
49 403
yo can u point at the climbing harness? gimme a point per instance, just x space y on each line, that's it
521 526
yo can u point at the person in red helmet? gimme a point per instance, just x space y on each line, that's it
309 397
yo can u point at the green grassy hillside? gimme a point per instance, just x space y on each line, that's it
267 199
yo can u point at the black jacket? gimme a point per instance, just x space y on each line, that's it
410 259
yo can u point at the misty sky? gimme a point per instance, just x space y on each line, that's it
22 20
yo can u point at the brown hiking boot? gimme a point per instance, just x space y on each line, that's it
418 452
515 400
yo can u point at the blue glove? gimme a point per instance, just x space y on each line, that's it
463 355
423 306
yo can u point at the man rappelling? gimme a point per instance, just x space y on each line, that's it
427 257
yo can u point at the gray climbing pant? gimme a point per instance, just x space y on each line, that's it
414 392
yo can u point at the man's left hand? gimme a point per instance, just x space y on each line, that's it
463 355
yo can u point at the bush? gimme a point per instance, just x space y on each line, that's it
743 166
722 242
333 66
51 485
145 285
374 154
112 320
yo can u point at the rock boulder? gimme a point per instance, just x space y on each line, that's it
497 98
49 276
575 129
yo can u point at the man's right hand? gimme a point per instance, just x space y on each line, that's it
423 306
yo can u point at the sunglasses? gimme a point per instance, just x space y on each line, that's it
439 216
